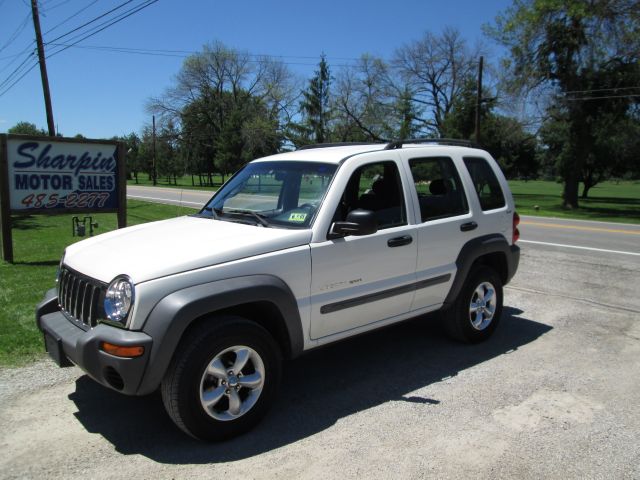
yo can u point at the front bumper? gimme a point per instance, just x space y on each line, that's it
67 342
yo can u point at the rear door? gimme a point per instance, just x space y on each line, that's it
444 223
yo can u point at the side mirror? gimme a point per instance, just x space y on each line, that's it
359 222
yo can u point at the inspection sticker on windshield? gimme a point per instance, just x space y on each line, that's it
297 217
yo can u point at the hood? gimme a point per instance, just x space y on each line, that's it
158 249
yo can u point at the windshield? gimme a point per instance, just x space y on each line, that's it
272 194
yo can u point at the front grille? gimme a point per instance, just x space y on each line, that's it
80 297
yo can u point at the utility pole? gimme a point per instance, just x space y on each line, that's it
479 100
153 167
43 68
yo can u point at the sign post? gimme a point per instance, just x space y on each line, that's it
5 216
44 175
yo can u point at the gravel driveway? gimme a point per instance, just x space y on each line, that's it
554 394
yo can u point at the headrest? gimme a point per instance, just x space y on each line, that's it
438 187
378 186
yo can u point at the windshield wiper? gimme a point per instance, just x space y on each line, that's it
259 218
214 213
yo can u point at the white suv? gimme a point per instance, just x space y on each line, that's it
295 251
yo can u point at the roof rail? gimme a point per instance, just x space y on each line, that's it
439 141
337 144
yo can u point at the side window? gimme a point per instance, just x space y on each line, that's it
440 191
485 182
376 187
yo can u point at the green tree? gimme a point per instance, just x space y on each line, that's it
168 155
247 132
132 147
571 47
131 144
314 109
504 137
220 95
407 116
26 128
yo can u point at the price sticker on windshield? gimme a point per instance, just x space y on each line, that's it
297 217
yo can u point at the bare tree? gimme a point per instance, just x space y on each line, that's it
434 69
365 100
218 69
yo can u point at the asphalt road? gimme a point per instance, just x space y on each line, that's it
171 196
553 394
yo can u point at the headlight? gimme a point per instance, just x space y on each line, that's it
119 299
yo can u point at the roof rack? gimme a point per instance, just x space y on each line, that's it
439 141
337 144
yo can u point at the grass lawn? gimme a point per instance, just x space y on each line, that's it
38 242
608 201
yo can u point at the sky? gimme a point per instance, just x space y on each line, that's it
101 93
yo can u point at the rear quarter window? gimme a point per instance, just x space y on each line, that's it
485 182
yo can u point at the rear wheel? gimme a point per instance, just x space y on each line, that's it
477 310
223 378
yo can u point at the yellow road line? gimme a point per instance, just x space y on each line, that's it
587 229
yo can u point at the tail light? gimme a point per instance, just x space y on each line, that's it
516 222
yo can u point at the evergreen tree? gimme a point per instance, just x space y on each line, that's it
315 109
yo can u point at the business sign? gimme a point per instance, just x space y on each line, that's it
53 175
48 175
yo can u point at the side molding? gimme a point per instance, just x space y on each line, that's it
173 314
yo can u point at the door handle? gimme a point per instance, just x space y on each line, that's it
467 227
400 241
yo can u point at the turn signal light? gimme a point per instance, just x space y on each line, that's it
120 351
516 222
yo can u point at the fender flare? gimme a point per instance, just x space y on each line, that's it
476 248
172 315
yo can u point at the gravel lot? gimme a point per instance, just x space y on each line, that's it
554 394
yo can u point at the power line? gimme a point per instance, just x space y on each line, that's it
187 53
17 32
91 21
193 52
19 78
15 56
118 20
16 70
48 8
108 23
70 17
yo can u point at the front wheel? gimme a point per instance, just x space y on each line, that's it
222 379
476 312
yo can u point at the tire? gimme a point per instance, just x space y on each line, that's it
222 379
470 320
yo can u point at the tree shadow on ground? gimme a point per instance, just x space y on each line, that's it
28 222
613 200
604 212
317 390
39 263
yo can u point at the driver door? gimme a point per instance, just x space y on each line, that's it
360 280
